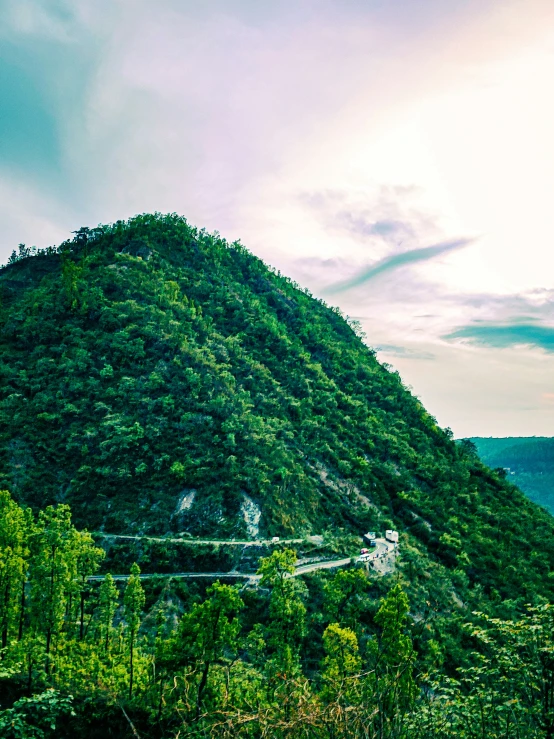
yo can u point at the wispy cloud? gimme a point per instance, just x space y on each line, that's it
387 214
501 336
396 261
386 228
393 350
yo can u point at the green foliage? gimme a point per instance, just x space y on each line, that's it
35 717
71 274
392 657
15 528
208 635
53 570
346 597
341 664
133 600
287 611
147 361
156 378
108 598
229 664
506 689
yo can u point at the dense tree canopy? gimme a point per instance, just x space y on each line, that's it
155 379
153 375
232 662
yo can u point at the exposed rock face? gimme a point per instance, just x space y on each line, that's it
186 499
251 514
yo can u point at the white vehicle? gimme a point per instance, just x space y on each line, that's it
392 536
275 540
364 557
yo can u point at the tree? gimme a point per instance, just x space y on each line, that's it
71 274
108 600
507 688
390 682
512 678
342 662
133 600
52 571
35 717
345 597
287 611
209 633
87 562
15 528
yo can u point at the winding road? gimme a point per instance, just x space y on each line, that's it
220 542
382 549
328 564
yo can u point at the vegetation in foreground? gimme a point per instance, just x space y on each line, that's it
326 658
158 379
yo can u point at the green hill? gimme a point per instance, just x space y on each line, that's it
528 461
157 379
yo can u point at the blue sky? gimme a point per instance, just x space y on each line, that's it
395 157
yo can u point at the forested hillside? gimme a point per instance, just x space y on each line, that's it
157 378
528 462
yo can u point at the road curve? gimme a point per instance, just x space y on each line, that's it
381 549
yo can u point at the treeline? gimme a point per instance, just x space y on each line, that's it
82 237
87 658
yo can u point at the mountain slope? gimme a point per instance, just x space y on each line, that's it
159 379
529 462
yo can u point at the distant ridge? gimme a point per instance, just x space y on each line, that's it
528 460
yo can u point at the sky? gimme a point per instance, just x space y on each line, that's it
396 157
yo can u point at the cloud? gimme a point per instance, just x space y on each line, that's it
387 213
501 336
404 352
385 228
525 307
396 261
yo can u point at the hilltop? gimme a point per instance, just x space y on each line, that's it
160 379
